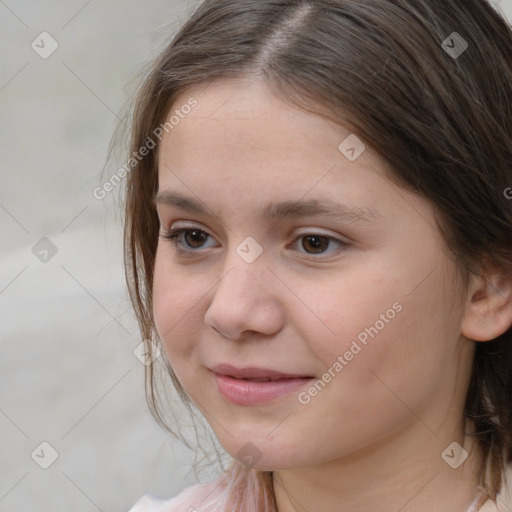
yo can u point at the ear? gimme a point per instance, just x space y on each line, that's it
488 312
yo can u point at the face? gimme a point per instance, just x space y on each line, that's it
352 294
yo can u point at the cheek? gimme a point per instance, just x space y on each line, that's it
405 360
357 305
176 308
382 329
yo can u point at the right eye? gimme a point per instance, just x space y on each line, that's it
191 240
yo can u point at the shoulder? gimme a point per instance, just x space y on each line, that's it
198 497
504 500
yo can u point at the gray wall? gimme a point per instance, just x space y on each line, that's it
68 373
69 376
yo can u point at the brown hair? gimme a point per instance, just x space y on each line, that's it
442 121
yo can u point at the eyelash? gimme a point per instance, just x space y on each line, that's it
173 235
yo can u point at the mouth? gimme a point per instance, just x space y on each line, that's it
256 386
255 374
261 379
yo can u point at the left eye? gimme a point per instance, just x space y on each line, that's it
194 239
318 243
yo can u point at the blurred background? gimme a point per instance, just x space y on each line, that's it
75 430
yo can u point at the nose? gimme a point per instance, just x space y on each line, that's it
245 300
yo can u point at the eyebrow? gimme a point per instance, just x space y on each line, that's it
278 211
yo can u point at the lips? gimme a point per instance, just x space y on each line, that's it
255 374
258 391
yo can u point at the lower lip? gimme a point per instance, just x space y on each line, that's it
246 392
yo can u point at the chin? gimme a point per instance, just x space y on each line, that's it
263 456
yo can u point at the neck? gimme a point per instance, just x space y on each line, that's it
406 473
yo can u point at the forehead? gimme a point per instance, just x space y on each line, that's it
237 122
243 153
241 141
243 114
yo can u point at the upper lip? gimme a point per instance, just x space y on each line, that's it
251 372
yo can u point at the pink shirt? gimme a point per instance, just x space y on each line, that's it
208 498
196 498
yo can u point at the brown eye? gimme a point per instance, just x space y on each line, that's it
195 238
316 243
185 239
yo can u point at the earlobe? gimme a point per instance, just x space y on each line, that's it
488 307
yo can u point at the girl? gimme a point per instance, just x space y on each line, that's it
319 237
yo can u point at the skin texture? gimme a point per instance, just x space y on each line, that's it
372 438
